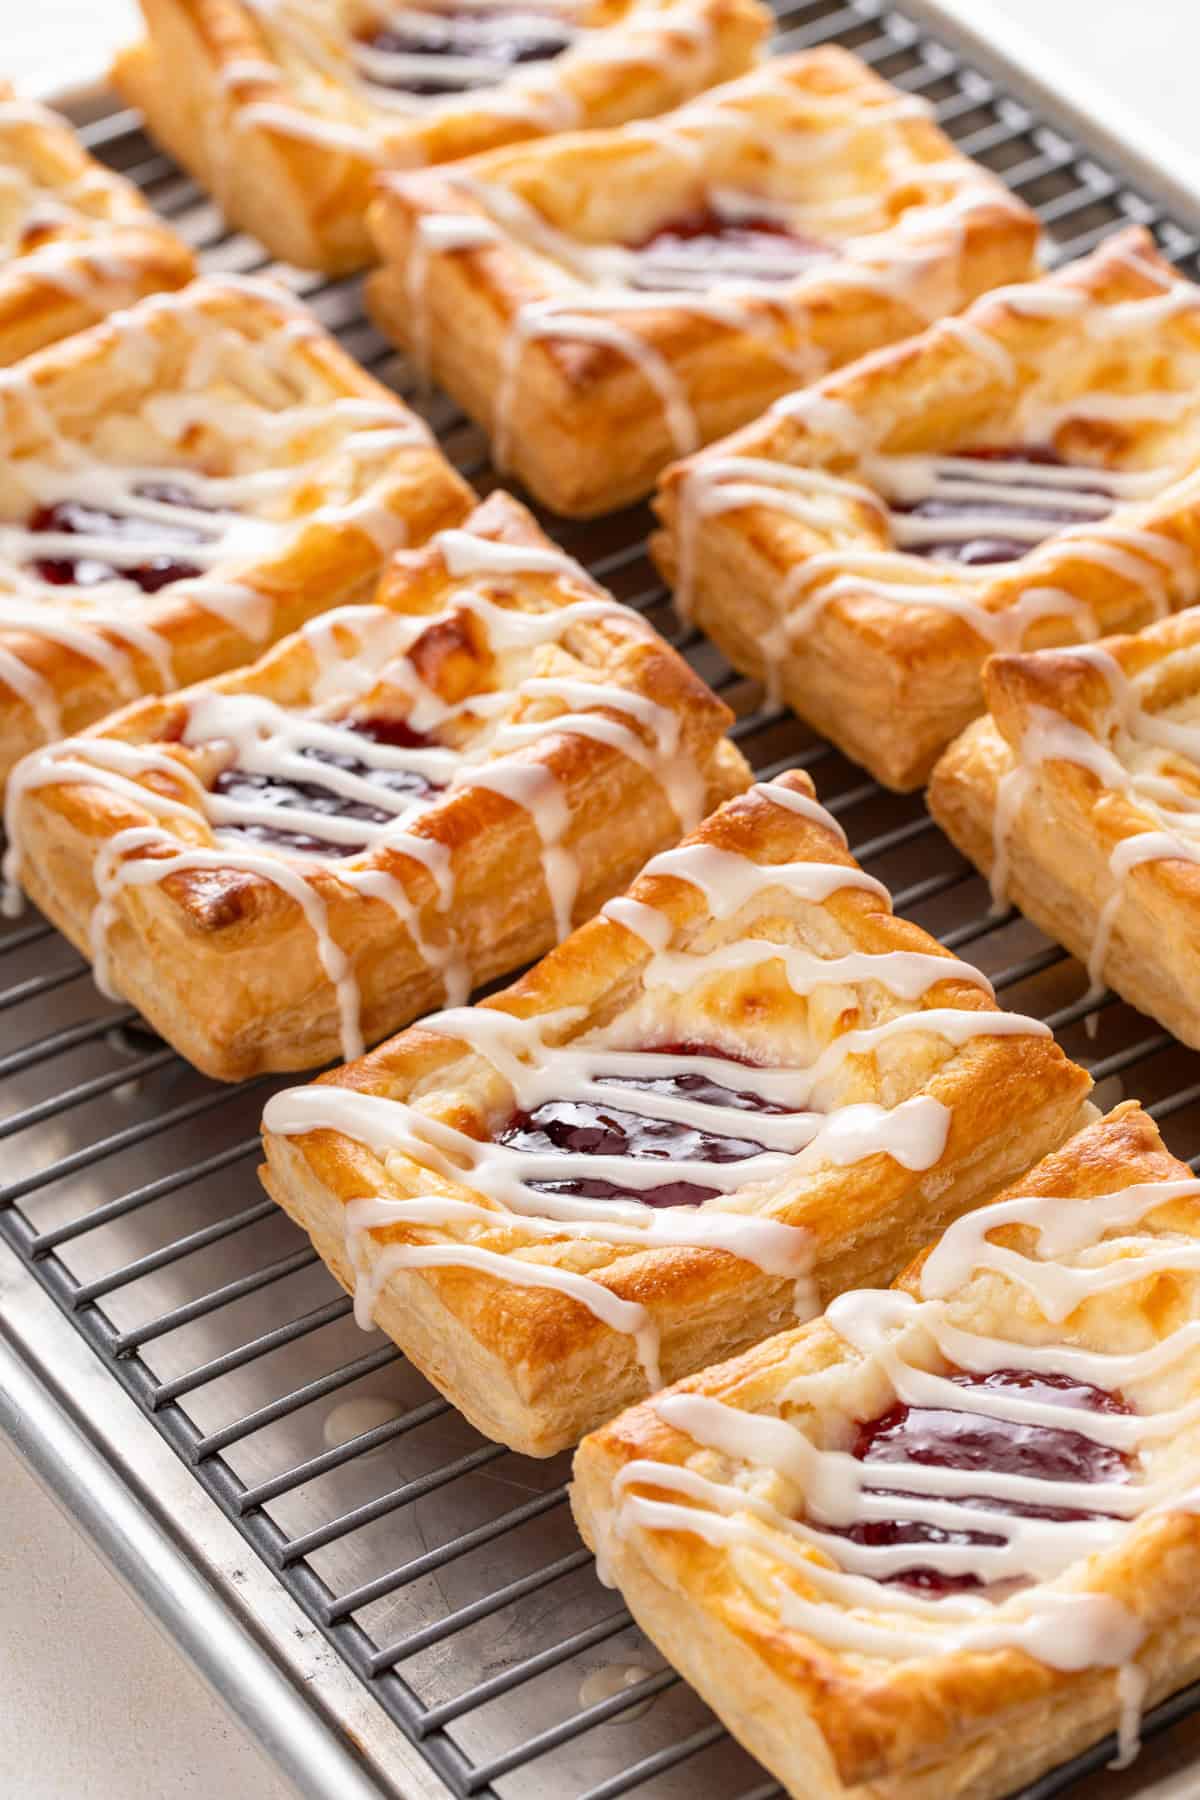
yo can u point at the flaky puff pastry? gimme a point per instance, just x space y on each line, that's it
181 486
705 1509
605 302
794 546
844 1086
1078 795
261 918
275 111
76 240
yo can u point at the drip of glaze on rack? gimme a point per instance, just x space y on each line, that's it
657 1148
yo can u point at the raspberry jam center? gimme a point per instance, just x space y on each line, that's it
1042 503
79 518
285 794
705 247
936 1437
589 1128
530 37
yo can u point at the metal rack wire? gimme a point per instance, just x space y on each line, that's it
442 1569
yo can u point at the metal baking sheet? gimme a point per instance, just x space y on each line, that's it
393 1605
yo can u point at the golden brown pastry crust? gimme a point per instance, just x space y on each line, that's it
288 141
587 424
535 1368
221 960
78 240
107 397
892 684
834 1725
1059 837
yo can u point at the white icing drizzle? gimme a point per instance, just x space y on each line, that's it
1133 758
355 651
1132 1687
540 1065
1087 493
335 82
443 232
485 64
245 71
540 319
79 222
241 520
779 1491
825 503
761 287
1121 543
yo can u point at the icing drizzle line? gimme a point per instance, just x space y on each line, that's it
210 530
404 79
600 282
888 571
511 1205
896 1343
355 649
1153 743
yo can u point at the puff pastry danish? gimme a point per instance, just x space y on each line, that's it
401 800
1079 797
742 1088
1024 474
285 110
944 1537
180 486
603 302
76 240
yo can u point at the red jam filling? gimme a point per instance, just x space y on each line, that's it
80 518
706 247
1048 505
314 797
586 1128
536 38
936 1437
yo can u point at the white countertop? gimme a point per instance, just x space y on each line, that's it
93 1703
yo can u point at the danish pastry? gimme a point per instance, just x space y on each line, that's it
76 240
1023 1580
1025 474
183 484
285 110
401 800
602 302
742 1088
1078 796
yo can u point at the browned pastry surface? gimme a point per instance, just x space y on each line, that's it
550 287
272 111
228 397
77 241
534 1366
1093 756
809 585
221 957
832 1713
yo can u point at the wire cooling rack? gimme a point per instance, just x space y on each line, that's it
440 1569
